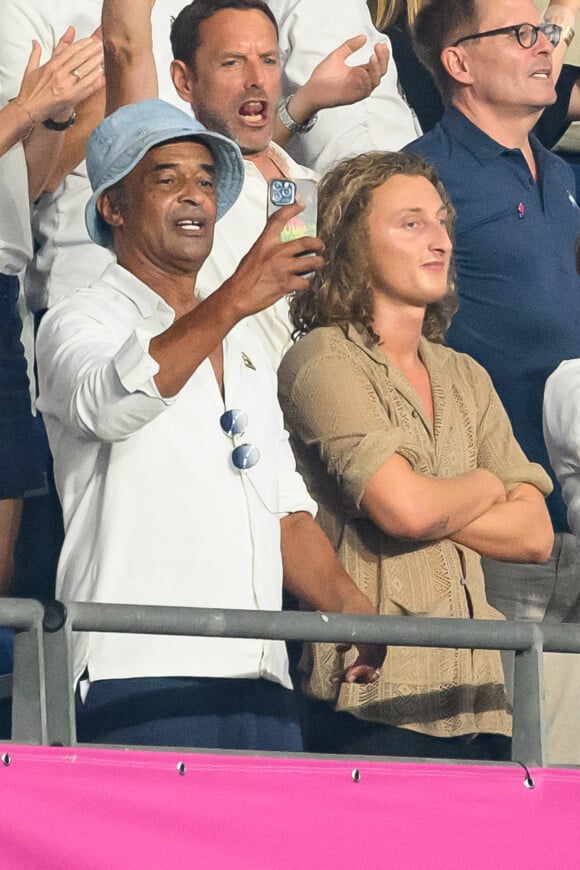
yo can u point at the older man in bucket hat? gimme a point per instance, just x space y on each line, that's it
177 482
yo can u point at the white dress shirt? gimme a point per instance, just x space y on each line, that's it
309 31
15 234
562 434
154 510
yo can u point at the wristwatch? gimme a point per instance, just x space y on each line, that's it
59 126
290 123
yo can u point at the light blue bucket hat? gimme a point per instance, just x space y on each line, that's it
117 145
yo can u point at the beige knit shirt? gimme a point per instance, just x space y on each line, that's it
348 410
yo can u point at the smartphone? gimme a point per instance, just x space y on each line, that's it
283 191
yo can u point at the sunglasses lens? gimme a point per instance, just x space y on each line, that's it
245 456
234 422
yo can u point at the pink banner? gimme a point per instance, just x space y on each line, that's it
77 808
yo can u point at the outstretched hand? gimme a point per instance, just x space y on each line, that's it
335 83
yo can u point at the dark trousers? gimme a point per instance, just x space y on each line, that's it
325 730
199 712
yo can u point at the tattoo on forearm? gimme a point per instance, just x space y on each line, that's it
438 529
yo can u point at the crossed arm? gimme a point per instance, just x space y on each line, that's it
493 508
472 509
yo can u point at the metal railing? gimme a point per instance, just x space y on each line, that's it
42 682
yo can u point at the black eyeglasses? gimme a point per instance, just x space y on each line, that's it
235 422
526 34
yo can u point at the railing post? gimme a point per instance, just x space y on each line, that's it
28 687
528 740
60 710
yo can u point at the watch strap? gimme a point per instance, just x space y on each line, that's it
59 126
290 123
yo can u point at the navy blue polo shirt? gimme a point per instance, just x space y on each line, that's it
519 310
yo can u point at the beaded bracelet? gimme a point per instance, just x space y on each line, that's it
32 120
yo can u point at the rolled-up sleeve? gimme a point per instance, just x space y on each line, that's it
331 409
294 495
93 381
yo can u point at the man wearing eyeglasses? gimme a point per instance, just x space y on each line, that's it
517 223
176 477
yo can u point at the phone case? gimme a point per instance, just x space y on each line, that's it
305 190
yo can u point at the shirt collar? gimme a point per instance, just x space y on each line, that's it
479 144
363 340
147 301
277 155
286 165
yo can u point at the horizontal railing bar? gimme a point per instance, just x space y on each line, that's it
560 638
21 613
321 627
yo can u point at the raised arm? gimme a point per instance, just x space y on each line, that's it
89 115
52 153
108 387
270 270
309 31
130 69
564 13
335 83
50 94
574 104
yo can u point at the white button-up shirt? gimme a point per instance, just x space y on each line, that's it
154 511
562 434
309 31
